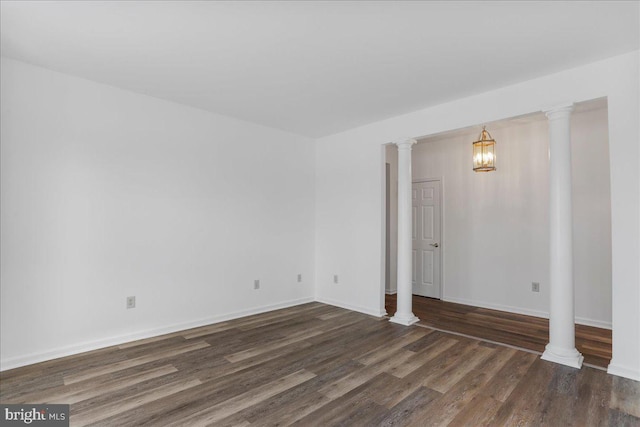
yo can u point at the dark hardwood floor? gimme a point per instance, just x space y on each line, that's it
318 365
527 332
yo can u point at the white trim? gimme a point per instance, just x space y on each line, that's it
384 237
425 180
359 309
568 357
595 323
18 361
526 311
405 321
492 306
391 291
567 106
443 237
625 372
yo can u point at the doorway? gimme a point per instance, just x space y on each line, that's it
426 232
496 224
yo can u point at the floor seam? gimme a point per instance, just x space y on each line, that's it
496 343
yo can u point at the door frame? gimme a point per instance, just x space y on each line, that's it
440 181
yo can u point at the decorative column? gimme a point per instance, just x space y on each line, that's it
561 348
404 314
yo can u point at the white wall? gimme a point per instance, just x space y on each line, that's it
591 217
349 220
484 265
107 194
391 157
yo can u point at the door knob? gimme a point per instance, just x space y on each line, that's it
435 245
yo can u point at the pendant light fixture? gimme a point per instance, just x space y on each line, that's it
484 152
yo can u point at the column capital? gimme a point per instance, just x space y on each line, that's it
559 111
405 142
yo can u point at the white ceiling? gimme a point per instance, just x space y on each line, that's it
539 116
314 68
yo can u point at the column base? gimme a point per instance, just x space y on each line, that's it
567 357
405 320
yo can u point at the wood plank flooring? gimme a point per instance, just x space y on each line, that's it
518 330
318 365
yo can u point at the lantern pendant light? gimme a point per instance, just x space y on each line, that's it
484 152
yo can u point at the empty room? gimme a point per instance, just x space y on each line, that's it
319 213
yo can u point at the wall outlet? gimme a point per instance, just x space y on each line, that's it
256 284
535 287
131 302
299 278
335 278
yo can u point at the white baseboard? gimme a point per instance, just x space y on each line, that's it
390 291
29 359
492 306
621 371
528 312
359 309
594 323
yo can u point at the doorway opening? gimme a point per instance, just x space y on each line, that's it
494 244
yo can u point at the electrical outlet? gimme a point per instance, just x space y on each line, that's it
335 278
535 287
299 278
256 284
131 302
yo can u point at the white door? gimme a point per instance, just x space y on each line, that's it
426 238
